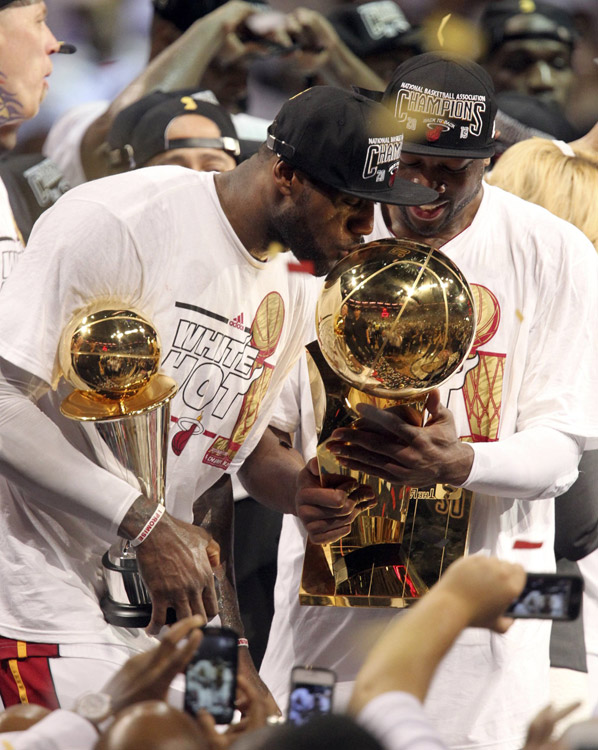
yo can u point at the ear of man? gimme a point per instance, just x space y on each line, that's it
284 178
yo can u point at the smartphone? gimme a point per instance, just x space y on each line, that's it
549 596
211 676
311 694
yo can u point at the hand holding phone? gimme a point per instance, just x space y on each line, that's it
311 694
548 596
211 676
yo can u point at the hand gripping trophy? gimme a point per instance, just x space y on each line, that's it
395 319
111 357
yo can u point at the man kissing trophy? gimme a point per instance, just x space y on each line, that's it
395 319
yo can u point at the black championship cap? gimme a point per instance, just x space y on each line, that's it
372 28
498 27
183 13
139 131
346 141
444 105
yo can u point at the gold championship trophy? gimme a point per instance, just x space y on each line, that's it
111 357
394 320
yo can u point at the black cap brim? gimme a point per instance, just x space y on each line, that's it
402 193
457 153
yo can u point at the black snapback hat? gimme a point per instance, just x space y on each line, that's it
183 13
139 132
345 141
496 16
372 28
444 106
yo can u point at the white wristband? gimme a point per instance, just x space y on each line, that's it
149 526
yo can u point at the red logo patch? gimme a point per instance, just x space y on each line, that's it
434 133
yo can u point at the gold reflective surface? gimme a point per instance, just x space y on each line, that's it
110 352
394 320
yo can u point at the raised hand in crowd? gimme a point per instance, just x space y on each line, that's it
473 592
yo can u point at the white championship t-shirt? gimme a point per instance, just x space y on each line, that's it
231 328
535 283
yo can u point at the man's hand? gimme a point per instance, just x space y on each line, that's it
541 729
147 676
315 38
175 563
390 444
483 588
255 716
327 512
233 16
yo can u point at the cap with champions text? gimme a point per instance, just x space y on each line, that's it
140 131
345 141
444 106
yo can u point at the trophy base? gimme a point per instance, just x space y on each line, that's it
125 615
370 567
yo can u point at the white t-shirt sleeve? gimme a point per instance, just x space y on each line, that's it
536 463
60 730
43 293
63 143
399 722
36 455
561 367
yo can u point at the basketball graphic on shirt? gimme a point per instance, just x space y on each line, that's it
265 335
482 391
267 325
487 315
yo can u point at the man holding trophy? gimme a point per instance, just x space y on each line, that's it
510 425
191 260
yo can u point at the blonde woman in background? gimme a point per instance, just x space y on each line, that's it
563 178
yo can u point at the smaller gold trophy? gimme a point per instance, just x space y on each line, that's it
111 357
395 319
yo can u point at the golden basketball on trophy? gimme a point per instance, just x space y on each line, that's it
111 357
395 319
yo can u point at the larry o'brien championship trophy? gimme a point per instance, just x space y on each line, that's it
394 320
111 357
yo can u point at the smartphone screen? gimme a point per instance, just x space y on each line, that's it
311 694
211 676
549 596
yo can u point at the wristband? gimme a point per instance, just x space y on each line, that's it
149 526
243 642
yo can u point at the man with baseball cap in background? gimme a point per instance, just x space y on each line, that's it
510 426
198 254
529 48
186 128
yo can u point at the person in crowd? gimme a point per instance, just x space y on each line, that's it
378 33
206 44
507 429
26 44
195 252
529 49
185 128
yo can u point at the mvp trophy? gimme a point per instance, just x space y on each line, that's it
111 357
394 320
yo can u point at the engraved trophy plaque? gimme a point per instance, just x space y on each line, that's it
395 319
111 357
